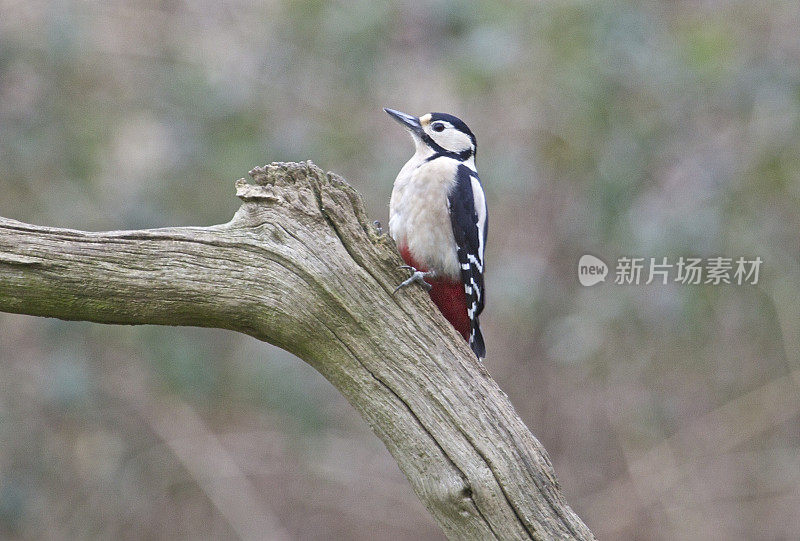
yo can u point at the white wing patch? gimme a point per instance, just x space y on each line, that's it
480 209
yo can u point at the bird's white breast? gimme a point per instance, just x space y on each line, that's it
419 217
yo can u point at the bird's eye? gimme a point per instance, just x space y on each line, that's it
437 126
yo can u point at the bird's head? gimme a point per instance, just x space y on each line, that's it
439 133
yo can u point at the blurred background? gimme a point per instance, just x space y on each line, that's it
647 129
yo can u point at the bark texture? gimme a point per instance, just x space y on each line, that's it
301 267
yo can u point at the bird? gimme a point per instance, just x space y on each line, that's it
438 219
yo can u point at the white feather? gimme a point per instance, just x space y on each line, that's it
419 216
480 210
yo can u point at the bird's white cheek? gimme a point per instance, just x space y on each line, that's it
452 140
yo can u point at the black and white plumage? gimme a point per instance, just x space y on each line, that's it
469 219
438 217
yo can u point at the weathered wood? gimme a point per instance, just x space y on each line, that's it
300 266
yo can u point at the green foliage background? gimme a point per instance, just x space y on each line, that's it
645 129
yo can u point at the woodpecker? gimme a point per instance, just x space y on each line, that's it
437 217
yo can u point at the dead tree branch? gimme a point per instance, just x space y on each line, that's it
300 266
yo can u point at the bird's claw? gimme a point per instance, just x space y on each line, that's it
416 276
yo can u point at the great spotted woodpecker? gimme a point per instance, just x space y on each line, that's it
437 217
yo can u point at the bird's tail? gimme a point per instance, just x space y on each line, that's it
476 340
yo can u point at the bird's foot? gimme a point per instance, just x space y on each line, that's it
416 276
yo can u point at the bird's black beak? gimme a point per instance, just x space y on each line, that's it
410 122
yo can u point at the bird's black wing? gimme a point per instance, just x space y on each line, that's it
469 219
